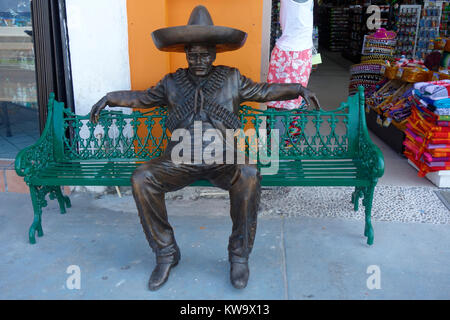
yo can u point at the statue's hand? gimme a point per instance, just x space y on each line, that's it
310 98
96 108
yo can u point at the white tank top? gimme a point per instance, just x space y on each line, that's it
296 20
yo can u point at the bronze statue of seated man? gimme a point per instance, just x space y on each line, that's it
212 96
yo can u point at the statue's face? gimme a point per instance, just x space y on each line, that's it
200 59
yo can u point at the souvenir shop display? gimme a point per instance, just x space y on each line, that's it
390 107
444 28
384 11
406 27
391 104
398 112
383 95
428 29
358 29
445 62
393 101
316 58
379 46
429 25
316 37
411 71
427 143
376 54
440 64
275 27
380 104
387 110
333 27
368 74
356 33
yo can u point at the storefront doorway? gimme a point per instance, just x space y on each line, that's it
19 116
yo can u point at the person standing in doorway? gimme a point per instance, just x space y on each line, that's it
291 58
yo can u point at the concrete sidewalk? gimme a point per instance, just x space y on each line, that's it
293 257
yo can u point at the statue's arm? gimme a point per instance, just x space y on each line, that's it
142 99
265 92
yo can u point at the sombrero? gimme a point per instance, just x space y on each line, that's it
382 34
199 30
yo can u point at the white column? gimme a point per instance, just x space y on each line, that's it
265 40
98 42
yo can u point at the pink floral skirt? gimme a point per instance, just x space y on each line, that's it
289 67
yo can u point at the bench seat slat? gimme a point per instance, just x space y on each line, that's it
284 167
76 181
292 173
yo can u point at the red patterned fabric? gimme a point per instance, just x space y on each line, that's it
289 67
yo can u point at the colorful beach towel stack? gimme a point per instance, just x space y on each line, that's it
427 142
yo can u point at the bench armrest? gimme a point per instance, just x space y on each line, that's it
39 154
370 155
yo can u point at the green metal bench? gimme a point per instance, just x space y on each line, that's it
332 149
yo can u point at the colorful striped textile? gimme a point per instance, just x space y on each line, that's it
433 90
426 143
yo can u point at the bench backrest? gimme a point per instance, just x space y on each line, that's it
140 136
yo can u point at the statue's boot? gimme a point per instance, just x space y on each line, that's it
161 272
160 275
239 274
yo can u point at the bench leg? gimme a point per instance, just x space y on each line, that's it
38 194
64 201
368 199
36 226
356 195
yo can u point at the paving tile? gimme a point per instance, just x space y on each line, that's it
6 163
6 147
326 258
329 259
116 261
9 155
2 180
22 142
66 190
15 183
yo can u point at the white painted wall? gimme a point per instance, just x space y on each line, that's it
265 39
265 43
98 42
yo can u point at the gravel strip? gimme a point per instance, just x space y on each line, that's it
391 203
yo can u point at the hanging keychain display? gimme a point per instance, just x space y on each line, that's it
428 28
407 26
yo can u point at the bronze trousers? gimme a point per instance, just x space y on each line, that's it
153 179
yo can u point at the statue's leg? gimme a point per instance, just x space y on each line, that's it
149 184
245 193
